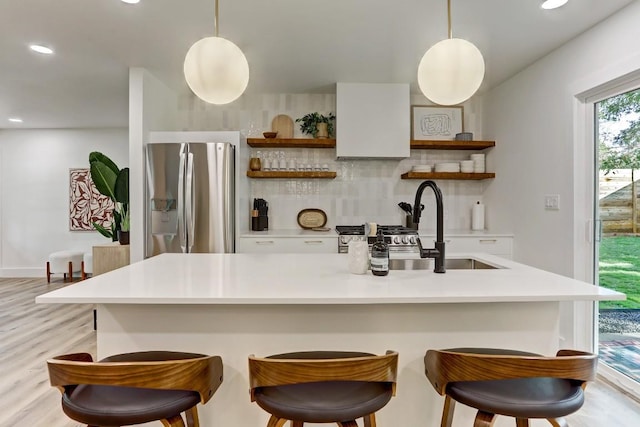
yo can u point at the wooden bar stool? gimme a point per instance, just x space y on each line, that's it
135 388
512 383
323 386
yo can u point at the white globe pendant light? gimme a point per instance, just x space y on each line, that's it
451 71
215 68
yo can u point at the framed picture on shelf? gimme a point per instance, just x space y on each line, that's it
434 122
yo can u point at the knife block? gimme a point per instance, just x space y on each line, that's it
259 223
263 223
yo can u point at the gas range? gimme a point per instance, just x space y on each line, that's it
398 237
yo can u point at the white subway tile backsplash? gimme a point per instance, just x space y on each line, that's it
364 190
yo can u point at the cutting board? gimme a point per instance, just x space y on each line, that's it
282 124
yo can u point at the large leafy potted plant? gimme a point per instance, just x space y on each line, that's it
317 125
113 182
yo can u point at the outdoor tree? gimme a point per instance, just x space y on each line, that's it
620 150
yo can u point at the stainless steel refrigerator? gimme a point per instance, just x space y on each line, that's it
190 198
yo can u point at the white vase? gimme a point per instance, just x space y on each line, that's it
358 257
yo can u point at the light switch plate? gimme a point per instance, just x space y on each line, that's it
552 202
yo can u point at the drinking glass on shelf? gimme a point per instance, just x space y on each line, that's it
266 162
282 161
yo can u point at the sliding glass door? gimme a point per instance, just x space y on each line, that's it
617 243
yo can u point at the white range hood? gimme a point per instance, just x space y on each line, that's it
373 120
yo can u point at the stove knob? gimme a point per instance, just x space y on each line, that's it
413 240
396 240
344 239
405 239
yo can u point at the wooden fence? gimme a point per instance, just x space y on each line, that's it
618 208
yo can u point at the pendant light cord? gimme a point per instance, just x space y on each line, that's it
215 19
448 14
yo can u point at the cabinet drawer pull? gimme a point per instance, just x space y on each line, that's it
264 242
313 242
488 241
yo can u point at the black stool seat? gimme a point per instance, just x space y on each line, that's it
520 398
324 402
116 406
509 382
323 386
135 388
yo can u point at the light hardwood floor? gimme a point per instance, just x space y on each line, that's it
31 333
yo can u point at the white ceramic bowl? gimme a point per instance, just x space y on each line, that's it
421 168
447 167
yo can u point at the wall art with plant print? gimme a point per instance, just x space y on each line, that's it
86 204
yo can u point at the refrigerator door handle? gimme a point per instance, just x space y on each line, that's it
181 207
189 202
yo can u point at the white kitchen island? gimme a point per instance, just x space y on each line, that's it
234 305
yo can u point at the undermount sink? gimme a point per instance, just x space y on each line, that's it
449 264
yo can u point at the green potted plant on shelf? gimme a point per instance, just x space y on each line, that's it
112 182
317 125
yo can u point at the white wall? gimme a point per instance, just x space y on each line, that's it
531 117
539 119
34 190
152 107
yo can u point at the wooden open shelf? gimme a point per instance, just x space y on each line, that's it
447 175
452 145
291 142
291 174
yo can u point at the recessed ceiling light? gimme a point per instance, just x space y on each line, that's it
41 49
131 1
553 4
15 120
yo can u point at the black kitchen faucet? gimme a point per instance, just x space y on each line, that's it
436 253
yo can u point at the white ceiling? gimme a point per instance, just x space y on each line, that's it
293 46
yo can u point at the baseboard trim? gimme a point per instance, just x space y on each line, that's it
23 272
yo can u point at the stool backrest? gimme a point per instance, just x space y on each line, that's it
268 372
443 367
202 374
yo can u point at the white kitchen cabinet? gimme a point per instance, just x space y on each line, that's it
489 244
372 120
304 244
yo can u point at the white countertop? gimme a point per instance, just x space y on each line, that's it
315 279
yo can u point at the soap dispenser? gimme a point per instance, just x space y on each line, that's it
380 256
